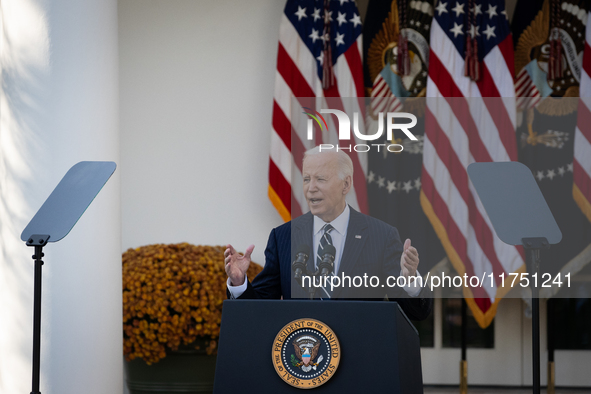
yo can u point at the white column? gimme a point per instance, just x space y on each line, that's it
58 106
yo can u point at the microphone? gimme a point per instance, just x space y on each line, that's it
299 265
326 266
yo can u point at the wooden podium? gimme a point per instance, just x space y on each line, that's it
378 348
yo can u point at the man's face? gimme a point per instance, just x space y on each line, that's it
324 191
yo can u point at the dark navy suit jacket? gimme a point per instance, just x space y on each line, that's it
371 247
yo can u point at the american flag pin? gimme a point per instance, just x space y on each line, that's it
358 236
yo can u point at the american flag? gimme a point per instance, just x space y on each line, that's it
469 120
312 33
582 155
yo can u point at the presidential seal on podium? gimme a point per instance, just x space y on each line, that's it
306 353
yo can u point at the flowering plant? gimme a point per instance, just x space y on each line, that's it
172 294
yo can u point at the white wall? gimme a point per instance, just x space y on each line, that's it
196 91
502 365
59 106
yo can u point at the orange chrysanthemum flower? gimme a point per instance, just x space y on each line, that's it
172 294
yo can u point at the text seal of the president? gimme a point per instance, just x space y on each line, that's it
306 353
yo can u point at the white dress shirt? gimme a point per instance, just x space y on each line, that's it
338 235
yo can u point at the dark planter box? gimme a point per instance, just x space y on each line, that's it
182 371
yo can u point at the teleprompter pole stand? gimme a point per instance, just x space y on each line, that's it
520 216
532 249
53 221
549 318
37 241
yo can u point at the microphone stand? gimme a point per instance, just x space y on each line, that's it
312 289
327 263
300 265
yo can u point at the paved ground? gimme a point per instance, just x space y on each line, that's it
493 390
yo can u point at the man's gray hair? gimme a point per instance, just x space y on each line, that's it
345 164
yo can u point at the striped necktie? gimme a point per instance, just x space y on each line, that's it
325 240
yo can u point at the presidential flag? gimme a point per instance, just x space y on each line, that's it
549 39
582 154
470 117
319 55
396 48
549 48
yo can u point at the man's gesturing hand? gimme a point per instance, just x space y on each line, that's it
236 264
409 262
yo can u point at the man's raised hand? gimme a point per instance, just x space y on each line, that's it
237 264
409 261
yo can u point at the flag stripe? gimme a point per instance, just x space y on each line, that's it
449 89
582 181
283 94
486 85
461 111
522 78
582 159
354 60
506 130
281 186
280 156
584 118
587 57
499 64
291 74
281 125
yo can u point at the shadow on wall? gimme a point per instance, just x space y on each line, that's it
24 58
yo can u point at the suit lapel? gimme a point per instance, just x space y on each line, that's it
354 243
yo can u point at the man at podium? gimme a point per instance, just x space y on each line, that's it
362 247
